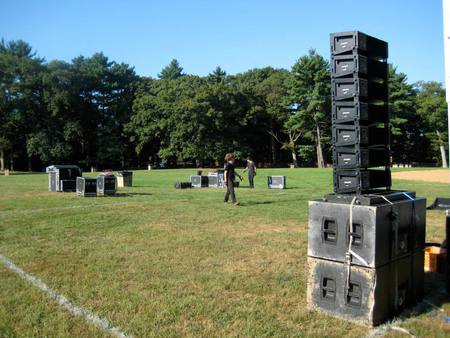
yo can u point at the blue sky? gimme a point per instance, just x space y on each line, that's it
236 35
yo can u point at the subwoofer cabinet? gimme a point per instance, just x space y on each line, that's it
380 233
106 185
86 186
198 181
365 295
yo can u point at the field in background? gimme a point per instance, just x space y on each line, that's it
435 175
156 261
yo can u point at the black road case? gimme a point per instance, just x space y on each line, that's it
198 181
276 182
62 177
106 185
86 186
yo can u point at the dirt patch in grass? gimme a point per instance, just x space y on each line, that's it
439 176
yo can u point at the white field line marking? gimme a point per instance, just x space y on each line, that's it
63 301
64 208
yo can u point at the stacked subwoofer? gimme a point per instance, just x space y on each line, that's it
359 88
369 271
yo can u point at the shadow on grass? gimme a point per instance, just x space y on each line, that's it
22 173
249 203
434 298
130 194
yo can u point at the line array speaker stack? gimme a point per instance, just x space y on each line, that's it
365 241
359 85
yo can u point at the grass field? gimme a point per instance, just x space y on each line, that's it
156 261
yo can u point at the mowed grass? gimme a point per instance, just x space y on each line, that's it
156 261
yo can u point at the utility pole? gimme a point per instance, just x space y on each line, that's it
446 17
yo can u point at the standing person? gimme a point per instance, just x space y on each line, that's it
251 169
229 176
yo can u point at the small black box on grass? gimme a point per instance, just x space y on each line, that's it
124 179
68 185
86 186
183 185
198 181
216 179
62 177
106 185
276 182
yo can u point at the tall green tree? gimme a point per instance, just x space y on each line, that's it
432 108
407 131
172 71
56 133
104 91
217 75
264 90
309 97
21 98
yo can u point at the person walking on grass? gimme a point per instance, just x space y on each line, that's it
229 177
251 169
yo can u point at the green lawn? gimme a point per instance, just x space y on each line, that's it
156 261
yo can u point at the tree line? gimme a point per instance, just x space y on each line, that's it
99 113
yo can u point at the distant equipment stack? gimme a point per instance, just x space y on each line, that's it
62 178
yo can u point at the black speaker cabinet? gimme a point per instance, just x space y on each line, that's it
68 185
198 181
358 43
276 182
359 111
360 181
371 296
348 135
216 180
358 65
86 186
183 185
106 185
381 233
349 88
62 177
353 157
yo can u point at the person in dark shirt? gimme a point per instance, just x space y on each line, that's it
251 169
229 177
